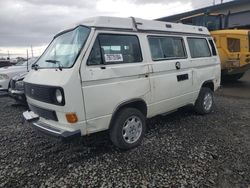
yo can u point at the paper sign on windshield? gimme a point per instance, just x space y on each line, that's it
113 57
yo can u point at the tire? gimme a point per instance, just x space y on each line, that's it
124 133
205 101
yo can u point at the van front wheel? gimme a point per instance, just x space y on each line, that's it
205 102
128 129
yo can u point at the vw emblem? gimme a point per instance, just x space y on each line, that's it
32 91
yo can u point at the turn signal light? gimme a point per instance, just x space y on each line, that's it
71 117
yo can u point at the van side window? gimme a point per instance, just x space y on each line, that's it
95 57
120 48
198 47
212 47
166 48
233 45
114 48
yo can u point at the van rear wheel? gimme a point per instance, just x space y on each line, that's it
205 102
128 129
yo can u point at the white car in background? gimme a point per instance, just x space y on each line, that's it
6 73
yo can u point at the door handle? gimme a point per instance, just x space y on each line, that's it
177 65
182 77
103 67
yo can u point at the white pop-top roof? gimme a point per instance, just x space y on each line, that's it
142 24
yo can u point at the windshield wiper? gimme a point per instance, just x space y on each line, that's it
55 62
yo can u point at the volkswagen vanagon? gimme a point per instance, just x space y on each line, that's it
110 73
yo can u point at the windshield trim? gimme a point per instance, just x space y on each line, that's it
57 35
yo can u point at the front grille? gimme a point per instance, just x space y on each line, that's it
47 114
42 93
38 92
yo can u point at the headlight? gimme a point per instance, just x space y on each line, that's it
19 85
4 77
59 96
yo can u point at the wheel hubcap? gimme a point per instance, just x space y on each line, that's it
208 101
132 129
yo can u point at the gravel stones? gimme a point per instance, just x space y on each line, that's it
182 149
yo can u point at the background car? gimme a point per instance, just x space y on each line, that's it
6 73
5 64
16 89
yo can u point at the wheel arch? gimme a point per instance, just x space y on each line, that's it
137 103
208 84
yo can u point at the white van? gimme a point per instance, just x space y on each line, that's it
112 73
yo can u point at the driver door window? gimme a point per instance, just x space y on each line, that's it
115 49
95 57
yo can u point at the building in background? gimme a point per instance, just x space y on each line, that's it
233 14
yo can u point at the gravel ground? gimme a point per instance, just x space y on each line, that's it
180 150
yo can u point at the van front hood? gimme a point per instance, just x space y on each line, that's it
52 77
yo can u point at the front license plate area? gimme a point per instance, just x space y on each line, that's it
30 116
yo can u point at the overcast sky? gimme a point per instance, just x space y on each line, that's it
34 22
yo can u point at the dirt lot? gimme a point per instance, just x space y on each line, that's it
180 150
240 88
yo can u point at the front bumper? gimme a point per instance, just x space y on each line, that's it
2 89
46 129
18 95
237 70
16 92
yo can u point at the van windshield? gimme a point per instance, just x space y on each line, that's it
64 49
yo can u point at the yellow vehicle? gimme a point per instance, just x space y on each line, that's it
234 50
233 44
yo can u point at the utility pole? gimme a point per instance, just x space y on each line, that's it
31 51
27 59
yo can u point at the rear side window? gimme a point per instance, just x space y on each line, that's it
212 47
113 49
198 47
166 48
233 45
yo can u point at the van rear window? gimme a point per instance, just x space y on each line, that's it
198 47
166 47
115 48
